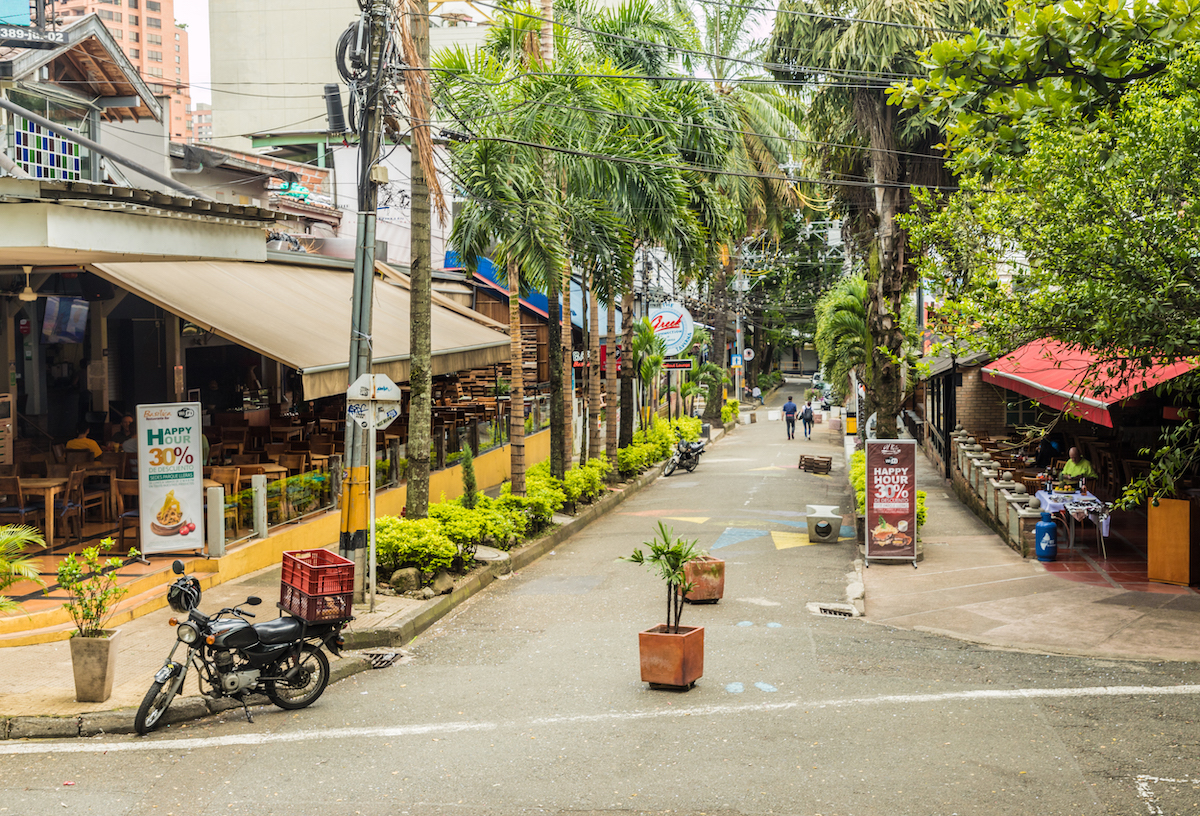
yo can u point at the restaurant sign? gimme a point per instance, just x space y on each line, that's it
673 323
170 476
891 500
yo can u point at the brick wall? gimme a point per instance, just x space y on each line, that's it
980 407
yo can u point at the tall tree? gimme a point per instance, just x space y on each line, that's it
852 51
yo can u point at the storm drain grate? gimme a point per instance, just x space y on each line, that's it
840 613
381 660
833 610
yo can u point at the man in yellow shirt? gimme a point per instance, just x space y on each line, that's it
83 442
1077 466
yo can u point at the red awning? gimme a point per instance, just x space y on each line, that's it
1071 379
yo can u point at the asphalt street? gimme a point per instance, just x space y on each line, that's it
527 700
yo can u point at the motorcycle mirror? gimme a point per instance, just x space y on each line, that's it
254 600
177 567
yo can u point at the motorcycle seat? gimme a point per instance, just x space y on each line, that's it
280 630
695 446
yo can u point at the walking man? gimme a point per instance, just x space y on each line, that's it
789 414
807 416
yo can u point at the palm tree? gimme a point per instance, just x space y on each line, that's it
853 50
842 337
15 565
743 190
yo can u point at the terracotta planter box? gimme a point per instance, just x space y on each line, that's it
94 662
672 661
707 576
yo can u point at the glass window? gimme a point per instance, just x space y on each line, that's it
105 14
134 53
176 59
117 33
1020 412
133 36
154 56
154 39
154 72
132 3
42 152
153 22
133 19
153 5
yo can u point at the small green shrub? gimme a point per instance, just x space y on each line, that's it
470 488
419 543
729 411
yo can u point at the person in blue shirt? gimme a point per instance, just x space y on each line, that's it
789 414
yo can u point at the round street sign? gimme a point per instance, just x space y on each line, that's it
673 323
748 354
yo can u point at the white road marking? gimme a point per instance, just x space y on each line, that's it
197 743
1146 792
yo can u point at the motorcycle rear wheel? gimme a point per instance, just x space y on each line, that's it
691 466
310 682
670 468
156 702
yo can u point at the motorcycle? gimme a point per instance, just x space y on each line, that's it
686 455
281 658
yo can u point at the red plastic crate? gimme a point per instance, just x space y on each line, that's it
318 572
316 608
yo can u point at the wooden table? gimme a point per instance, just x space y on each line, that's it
47 489
272 472
285 433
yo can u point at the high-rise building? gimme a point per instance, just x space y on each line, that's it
202 127
156 46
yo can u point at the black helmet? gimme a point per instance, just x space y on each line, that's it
184 595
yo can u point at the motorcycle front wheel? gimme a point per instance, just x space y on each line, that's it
670 468
310 675
156 702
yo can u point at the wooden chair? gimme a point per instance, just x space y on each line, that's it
234 439
273 451
245 459
295 463
68 507
80 457
321 451
1032 484
34 468
15 510
57 471
59 452
128 512
229 478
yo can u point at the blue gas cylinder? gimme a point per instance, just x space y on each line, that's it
1045 536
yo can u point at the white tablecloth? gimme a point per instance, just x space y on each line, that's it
1055 502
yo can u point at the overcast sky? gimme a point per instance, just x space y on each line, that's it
194 14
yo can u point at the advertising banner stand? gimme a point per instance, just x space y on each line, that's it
170 477
891 500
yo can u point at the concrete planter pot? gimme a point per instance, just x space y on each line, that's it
672 662
94 662
707 576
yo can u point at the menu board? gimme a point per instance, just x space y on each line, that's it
170 476
891 499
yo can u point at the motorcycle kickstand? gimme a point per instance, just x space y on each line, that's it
241 698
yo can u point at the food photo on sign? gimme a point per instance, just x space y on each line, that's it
891 499
170 476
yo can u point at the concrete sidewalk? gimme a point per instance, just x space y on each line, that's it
972 586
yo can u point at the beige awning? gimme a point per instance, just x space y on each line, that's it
300 316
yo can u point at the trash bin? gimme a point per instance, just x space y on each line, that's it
706 430
851 423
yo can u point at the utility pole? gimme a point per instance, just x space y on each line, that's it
420 415
353 538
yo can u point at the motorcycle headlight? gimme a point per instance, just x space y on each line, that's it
187 633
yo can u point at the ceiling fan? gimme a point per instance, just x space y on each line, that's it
27 295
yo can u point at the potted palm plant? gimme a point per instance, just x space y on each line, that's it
672 656
15 564
94 594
